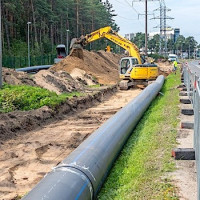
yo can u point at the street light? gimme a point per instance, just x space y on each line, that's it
67 42
29 60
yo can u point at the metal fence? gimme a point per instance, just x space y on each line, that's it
19 62
192 83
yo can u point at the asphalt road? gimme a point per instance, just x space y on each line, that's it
194 67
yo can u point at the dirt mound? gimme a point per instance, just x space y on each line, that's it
102 65
14 123
165 67
82 77
77 53
10 76
58 82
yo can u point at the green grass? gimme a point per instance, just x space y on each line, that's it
95 86
24 97
141 170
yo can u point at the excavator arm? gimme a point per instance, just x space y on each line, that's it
113 36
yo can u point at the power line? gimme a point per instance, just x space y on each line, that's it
163 27
146 22
135 11
131 6
126 18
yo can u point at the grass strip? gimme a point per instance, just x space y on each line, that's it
24 97
141 169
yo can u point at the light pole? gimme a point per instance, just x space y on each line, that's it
0 51
67 42
29 60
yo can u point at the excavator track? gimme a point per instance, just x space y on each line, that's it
125 84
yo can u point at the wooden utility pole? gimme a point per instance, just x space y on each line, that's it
146 22
146 29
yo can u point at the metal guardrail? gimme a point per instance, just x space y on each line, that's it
191 74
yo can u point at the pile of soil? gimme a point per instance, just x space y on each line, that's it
81 76
165 67
17 122
58 82
10 76
101 65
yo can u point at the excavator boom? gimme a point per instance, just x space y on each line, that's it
111 35
132 70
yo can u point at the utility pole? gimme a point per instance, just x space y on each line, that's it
146 29
146 22
163 27
1 82
29 59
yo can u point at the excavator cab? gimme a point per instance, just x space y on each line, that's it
126 66
132 73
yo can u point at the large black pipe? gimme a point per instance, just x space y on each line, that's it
33 69
82 173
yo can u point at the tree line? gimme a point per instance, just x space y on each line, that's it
50 20
182 44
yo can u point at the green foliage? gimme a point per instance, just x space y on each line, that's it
23 97
49 21
17 48
139 172
139 40
156 56
185 44
154 43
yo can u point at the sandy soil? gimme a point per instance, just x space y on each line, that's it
27 158
165 67
58 82
101 65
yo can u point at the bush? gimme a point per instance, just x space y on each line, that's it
23 97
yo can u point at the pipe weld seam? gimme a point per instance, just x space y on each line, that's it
82 173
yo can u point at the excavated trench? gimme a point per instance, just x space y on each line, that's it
27 157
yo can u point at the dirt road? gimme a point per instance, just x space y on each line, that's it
26 159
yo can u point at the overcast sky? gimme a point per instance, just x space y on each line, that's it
186 14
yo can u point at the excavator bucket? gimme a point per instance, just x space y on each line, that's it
76 44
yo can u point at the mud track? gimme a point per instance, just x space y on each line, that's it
27 157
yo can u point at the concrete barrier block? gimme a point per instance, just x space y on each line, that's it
183 154
187 125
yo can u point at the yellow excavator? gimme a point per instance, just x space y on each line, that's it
133 70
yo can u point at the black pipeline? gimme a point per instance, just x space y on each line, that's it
82 173
33 69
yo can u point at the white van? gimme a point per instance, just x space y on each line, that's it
172 57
